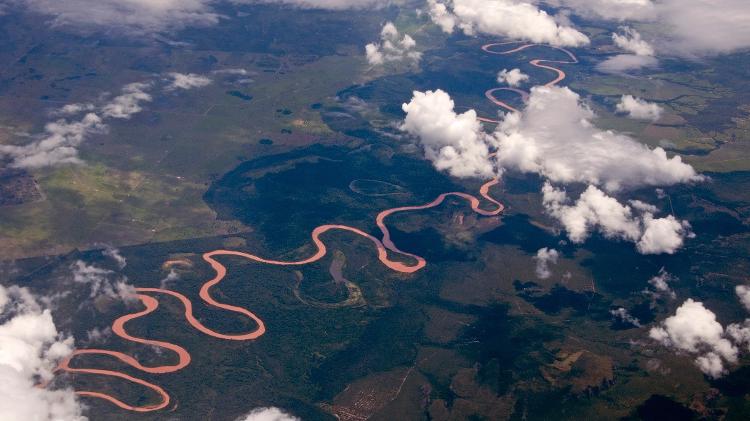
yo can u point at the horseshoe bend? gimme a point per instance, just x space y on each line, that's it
561 75
383 246
350 210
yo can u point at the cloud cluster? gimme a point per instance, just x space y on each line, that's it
662 235
267 414
681 27
544 257
513 77
555 138
641 53
504 18
134 16
660 285
638 108
596 211
622 315
392 47
694 329
30 348
59 143
129 102
631 40
186 81
678 27
103 282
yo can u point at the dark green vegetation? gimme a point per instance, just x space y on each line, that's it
240 95
286 196
659 407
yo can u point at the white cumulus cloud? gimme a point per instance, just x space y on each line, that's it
442 16
638 108
130 102
453 142
513 77
660 285
267 414
631 40
678 27
694 329
544 258
662 235
59 143
595 211
186 81
641 53
30 349
392 47
504 18
554 136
